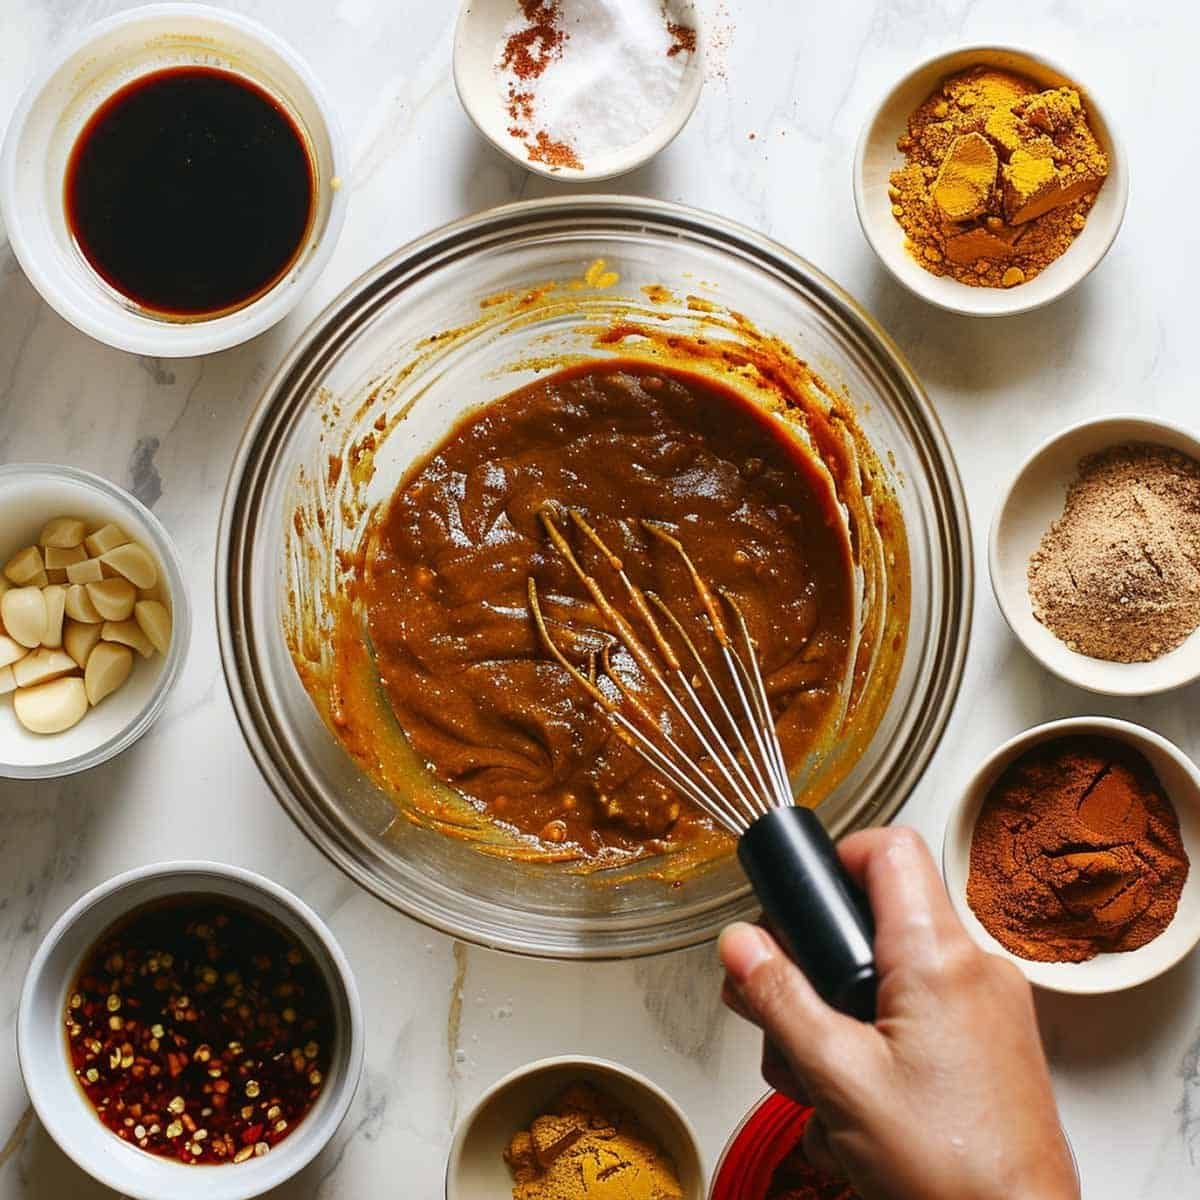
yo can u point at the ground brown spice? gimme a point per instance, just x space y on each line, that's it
1076 852
1117 576
588 1147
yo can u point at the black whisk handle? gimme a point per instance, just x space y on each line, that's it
817 913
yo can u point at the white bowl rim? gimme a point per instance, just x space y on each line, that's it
181 624
171 339
355 1038
1017 305
1081 677
1058 977
540 1066
619 162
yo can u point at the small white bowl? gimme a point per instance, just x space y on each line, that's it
1033 501
1106 972
58 103
30 494
59 1101
476 1169
480 28
877 157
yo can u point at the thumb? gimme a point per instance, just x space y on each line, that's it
818 1042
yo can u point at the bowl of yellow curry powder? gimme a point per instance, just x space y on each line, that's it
989 181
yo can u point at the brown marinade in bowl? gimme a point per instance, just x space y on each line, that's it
420 652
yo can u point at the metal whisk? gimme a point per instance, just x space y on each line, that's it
736 772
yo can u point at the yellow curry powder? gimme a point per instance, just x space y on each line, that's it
587 1147
998 179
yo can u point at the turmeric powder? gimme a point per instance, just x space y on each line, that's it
587 1147
998 179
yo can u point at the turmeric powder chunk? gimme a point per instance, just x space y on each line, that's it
588 1147
1031 187
998 179
974 244
965 179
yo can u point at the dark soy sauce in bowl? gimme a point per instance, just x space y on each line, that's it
190 191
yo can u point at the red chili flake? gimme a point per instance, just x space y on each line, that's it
185 1024
683 39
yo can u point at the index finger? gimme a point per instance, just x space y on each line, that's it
914 919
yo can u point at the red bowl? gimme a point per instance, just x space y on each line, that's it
767 1134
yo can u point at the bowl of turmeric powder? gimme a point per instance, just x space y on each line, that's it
989 181
1070 855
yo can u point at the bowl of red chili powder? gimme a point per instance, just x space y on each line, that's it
190 1031
1070 854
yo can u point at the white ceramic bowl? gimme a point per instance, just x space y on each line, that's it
480 28
30 494
1106 972
476 1169
59 1101
58 103
877 157
1032 502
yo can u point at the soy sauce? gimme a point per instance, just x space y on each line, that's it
190 191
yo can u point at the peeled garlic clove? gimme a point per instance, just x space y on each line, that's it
79 605
11 651
106 538
88 571
155 623
57 559
113 599
55 597
63 533
41 665
128 633
79 640
51 707
107 668
25 566
8 681
132 561
23 611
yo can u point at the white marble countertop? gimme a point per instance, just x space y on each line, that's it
770 146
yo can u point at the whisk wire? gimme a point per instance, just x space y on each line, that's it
751 770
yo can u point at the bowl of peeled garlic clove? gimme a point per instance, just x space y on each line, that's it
94 620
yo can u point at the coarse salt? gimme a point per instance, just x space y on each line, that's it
605 77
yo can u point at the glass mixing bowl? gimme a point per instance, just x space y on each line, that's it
373 350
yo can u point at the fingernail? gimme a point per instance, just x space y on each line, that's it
743 949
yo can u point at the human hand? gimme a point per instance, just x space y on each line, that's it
947 1096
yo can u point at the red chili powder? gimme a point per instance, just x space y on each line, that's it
530 50
554 154
684 39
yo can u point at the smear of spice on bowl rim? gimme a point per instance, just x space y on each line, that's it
1076 852
582 78
586 1145
999 177
200 1030
1117 576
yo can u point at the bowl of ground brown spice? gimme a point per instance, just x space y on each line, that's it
1095 555
574 1128
989 181
1070 854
